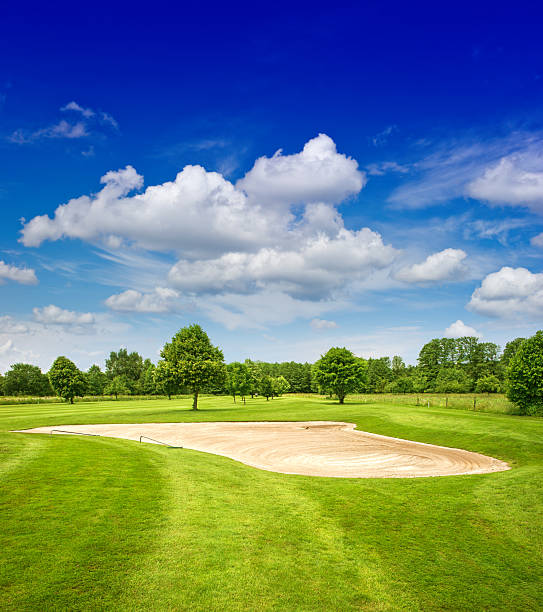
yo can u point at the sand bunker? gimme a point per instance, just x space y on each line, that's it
312 448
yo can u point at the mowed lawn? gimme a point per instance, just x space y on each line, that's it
104 524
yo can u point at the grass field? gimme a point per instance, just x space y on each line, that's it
105 524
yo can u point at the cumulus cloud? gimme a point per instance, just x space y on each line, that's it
25 276
509 292
459 329
54 315
443 266
320 324
317 174
8 325
511 182
317 266
160 300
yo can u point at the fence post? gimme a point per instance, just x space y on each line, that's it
474 402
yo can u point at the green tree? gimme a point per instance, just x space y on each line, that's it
378 375
510 350
340 372
125 364
525 376
117 387
280 385
195 362
266 386
238 379
96 380
67 379
26 379
148 380
166 379
1 385
452 380
488 384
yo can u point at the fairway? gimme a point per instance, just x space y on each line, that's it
100 523
310 448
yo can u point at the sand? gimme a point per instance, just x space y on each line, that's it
311 448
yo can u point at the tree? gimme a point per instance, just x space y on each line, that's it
117 387
238 380
378 375
96 381
255 374
195 362
510 350
148 380
340 372
166 379
67 379
488 384
280 385
525 376
265 387
125 364
452 380
26 379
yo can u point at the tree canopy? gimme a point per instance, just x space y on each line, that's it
66 378
340 372
525 376
195 363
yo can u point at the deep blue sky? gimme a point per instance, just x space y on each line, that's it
440 106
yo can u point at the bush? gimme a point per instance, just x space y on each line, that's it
525 376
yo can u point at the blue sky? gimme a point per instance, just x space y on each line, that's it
291 177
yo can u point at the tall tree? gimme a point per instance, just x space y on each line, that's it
125 364
525 376
67 379
195 362
238 379
96 380
340 372
26 379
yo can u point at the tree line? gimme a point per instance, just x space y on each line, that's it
191 364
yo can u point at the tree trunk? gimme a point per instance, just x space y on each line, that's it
341 399
195 401
71 400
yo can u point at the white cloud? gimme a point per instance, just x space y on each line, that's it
442 266
107 118
25 276
160 300
54 315
382 137
379 169
316 267
468 166
62 129
537 240
320 324
509 292
317 174
513 181
74 106
459 329
8 325
6 347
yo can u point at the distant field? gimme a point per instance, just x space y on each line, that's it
100 523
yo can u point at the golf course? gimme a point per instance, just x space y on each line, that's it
96 523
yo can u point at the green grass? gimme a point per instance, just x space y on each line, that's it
105 524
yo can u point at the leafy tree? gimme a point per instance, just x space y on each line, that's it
340 372
238 379
166 379
195 362
1 385
117 387
378 374
525 376
96 380
510 350
125 364
397 366
488 384
26 379
255 374
452 380
280 385
403 384
148 380
266 386
67 379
